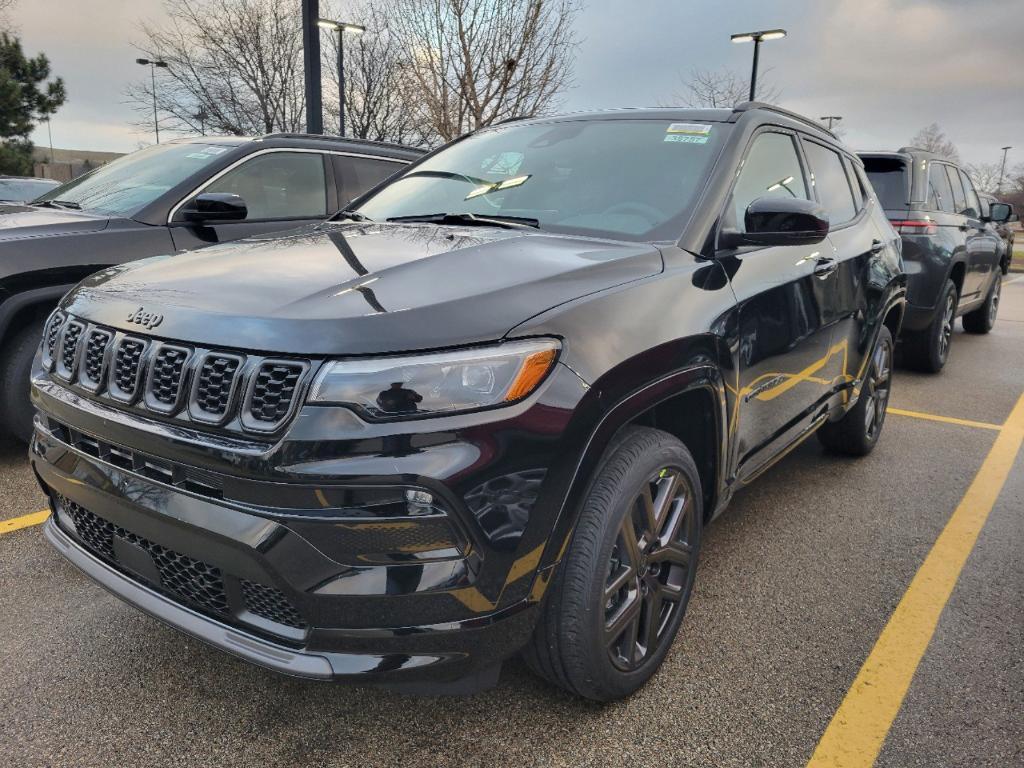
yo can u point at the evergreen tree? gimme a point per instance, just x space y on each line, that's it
25 99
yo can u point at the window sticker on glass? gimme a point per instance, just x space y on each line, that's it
506 184
688 133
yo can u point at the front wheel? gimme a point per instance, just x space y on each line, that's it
857 433
15 370
983 319
621 590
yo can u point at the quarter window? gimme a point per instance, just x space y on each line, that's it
855 185
959 201
940 193
772 169
278 185
973 207
830 182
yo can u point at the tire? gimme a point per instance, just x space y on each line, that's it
15 370
928 350
983 319
857 433
588 637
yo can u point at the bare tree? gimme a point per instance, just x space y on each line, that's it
932 139
985 176
476 62
235 63
376 86
721 88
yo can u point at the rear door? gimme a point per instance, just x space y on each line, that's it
782 312
282 189
981 242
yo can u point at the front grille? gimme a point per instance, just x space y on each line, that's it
273 391
215 384
52 335
69 348
270 603
127 367
96 345
166 378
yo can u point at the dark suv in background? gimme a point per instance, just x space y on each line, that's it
1003 228
170 197
951 250
488 410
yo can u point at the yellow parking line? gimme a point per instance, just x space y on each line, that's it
859 727
17 523
946 419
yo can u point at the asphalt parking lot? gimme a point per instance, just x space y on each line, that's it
797 583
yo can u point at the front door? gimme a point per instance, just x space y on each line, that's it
783 296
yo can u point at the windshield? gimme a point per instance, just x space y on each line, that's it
24 189
128 184
627 179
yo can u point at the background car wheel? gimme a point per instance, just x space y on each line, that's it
928 350
15 369
621 590
857 432
983 319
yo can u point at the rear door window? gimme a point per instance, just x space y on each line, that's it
959 200
940 193
973 207
828 177
357 175
771 169
890 178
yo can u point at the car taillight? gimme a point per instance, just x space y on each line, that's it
914 226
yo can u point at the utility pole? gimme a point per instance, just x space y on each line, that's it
341 27
153 64
311 65
1002 169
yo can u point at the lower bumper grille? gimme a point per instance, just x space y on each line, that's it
186 579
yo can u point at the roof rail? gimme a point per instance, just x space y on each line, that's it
339 139
749 105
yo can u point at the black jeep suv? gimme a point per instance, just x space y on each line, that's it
952 252
169 197
487 410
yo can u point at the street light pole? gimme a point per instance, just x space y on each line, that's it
831 119
1002 168
341 28
311 66
756 38
153 64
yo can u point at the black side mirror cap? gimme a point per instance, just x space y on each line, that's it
1001 213
215 206
780 221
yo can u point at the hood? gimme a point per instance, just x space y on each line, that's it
17 221
358 288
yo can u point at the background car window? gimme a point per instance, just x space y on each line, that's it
959 201
278 185
973 206
771 169
359 174
855 185
829 180
940 194
890 178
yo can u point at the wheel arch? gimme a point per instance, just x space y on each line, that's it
29 306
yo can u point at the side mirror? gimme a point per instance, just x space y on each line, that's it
215 206
1000 213
783 221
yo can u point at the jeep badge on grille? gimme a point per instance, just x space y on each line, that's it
147 320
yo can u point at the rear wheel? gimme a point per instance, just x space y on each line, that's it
15 370
858 431
983 319
620 593
928 350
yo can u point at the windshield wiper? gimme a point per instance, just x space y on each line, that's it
350 215
471 219
59 204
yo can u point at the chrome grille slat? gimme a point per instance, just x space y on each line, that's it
67 353
97 340
168 372
126 368
216 381
51 336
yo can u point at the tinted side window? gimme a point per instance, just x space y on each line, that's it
973 207
890 178
959 201
940 193
829 179
278 185
858 190
359 174
771 169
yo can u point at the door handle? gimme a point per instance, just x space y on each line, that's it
825 266
877 246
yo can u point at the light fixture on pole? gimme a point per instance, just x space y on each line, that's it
756 38
831 119
153 64
341 28
1002 168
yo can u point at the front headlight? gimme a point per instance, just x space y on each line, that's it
438 383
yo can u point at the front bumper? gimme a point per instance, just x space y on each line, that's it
244 562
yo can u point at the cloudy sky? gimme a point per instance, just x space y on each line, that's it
889 67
